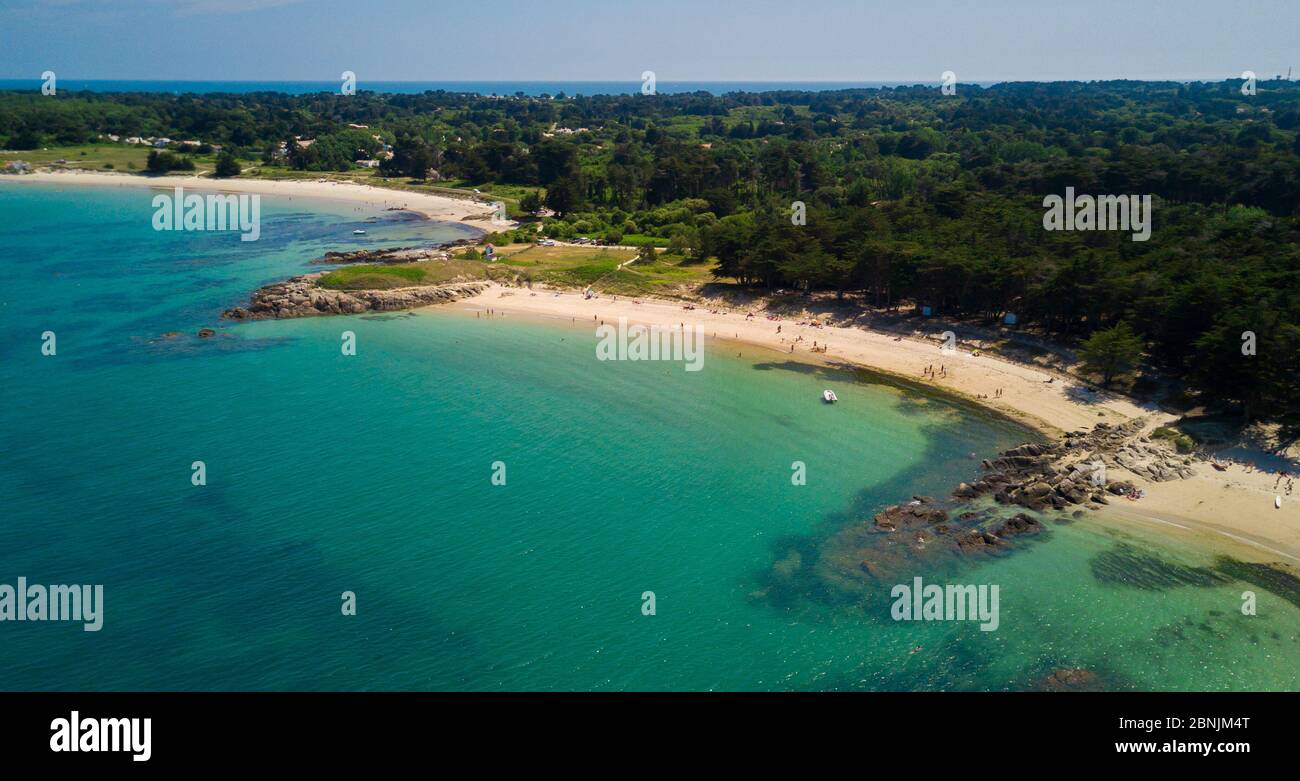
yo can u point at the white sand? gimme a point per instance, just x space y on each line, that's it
436 207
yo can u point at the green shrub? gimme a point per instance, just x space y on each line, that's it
1181 442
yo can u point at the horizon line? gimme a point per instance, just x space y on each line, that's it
633 80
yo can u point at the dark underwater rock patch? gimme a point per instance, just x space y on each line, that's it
1071 679
1272 579
902 540
1125 565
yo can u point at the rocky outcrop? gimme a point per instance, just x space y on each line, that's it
300 297
1152 461
909 516
392 254
1074 470
1018 524
1071 679
903 539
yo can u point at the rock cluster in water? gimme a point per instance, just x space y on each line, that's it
300 297
1036 476
1071 679
902 539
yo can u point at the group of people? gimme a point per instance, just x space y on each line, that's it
1290 481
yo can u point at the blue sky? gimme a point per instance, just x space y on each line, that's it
743 40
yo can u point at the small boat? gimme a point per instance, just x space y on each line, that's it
358 232
829 396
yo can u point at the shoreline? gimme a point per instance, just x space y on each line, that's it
1234 507
442 208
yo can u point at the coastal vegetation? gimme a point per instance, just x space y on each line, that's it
1111 352
619 271
166 162
911 200
227 166
373 277
85 157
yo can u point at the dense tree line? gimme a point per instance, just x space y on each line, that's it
910 197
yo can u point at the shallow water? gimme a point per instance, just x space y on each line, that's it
372 474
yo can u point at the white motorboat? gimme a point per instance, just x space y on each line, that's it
358 232
829 396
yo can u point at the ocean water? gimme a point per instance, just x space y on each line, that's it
533 88
373 474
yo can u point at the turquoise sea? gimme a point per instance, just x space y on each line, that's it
373 473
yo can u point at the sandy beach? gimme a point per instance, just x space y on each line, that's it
435 207
1234 508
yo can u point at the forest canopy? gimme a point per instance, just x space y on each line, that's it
909 197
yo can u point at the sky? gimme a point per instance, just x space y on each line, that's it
616 40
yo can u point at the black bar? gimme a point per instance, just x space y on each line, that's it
247 730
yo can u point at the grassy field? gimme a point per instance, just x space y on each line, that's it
599 266
127 158
431 272
640 240
571 267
